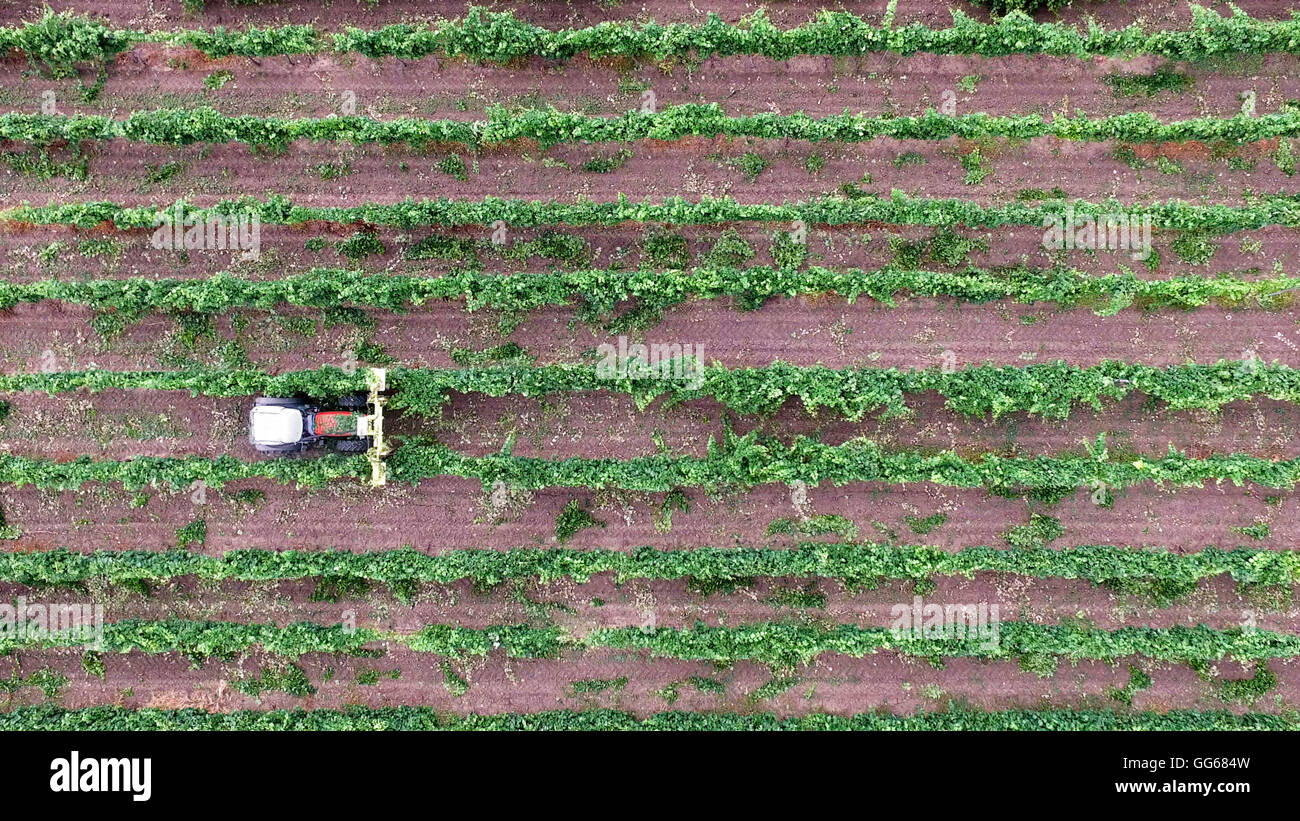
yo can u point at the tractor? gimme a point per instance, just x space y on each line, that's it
283 426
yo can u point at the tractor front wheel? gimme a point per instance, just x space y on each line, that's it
352 445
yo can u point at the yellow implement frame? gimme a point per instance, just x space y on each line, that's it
377 381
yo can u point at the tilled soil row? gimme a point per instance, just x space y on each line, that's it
496 684
33 253
125 424
448 513
342 174
919 333
152 77
603 602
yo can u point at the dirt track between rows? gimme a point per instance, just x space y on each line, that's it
604 602
284 251
151 76
835 684
919 333
119 171
448 513
117 424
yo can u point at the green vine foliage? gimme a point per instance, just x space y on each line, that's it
410 718
736 462
502 37
549 127
1003 7
1047 389
853 564
777 645
786 646
601 292
1050 390
742 462
898 209
326 383
177 472
63 42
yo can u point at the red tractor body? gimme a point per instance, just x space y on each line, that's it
335 423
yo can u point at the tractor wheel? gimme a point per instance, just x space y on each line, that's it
352 445
275 401
352 402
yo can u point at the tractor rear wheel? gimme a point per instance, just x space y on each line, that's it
275 401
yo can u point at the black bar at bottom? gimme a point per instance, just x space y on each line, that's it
330 772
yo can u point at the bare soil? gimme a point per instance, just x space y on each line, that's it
580 607
448 513
918 333
152 76
835 684
54 252
325 174
118 424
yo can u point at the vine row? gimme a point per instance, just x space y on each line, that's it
777 645
851 563
601 291
1050 390
411 718
736 462
549 127
61 40
897 209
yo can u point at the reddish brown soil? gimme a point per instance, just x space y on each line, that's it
1248 254
803 331
602 602
152 77
836 684
125 424
447 513
120 171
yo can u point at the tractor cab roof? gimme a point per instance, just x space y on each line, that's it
275 425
